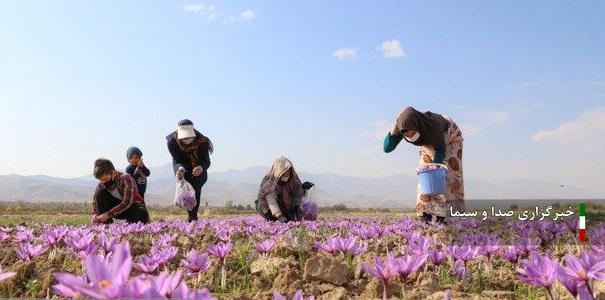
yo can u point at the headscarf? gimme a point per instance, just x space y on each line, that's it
428 124
133 151
191 149
289 192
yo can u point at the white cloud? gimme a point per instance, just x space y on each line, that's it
391 49
589 128
470 129
208 11
345 53
247 15
193 7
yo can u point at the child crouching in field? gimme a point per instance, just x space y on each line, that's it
137 169
116 196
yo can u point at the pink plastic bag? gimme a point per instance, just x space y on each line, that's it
184 196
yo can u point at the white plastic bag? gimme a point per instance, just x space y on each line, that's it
184 196
308 206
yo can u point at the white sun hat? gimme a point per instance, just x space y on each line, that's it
185 131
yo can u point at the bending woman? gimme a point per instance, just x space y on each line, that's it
190 151
281 192
440 141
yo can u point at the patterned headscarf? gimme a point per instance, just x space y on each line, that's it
289 192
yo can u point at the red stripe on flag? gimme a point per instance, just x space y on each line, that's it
582 235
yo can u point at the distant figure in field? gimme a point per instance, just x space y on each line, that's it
116 196
441 142
281 193
190 151
137 169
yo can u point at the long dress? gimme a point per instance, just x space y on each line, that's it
439 205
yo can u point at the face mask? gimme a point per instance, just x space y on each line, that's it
187 141
284 179
414 138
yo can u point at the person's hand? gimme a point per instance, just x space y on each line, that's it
140 164
395 130
102 218
197 171
282 219
180 173
307 185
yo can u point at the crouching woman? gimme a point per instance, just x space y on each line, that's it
116 196
281 193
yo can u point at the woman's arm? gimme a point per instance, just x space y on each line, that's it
439 154
177 157
391 142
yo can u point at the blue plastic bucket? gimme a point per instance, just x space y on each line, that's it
432 181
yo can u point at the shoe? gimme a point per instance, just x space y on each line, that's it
427 218
282 219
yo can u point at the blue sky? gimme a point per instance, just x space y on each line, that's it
318 81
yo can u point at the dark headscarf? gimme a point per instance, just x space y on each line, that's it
428 124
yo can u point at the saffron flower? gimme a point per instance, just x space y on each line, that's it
265 247
28 251
578 273
104 278
196 262
383 270
540 271
7 275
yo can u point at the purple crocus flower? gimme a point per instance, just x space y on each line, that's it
349 246
383 270
220 250
166 283
329 246
540 271
23 235
82 244
265 247
107 244
437 257
163 255
510 253
3 236
104 278
464 253
196 262
182 292
7 275
419 246
406 265
53 236
580 272
28 251
146 264
528 244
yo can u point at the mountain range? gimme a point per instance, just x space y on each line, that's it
241 187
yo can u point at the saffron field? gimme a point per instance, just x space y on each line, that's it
357 256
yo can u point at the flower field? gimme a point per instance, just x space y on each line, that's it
335 257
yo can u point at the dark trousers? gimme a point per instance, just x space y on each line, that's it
289 213
105 202
197 182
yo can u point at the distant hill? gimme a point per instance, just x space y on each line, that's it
241 187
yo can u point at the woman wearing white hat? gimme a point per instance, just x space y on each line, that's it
190 151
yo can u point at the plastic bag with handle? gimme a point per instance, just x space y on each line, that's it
184 196
308 206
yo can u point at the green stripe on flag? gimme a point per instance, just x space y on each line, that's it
582 209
